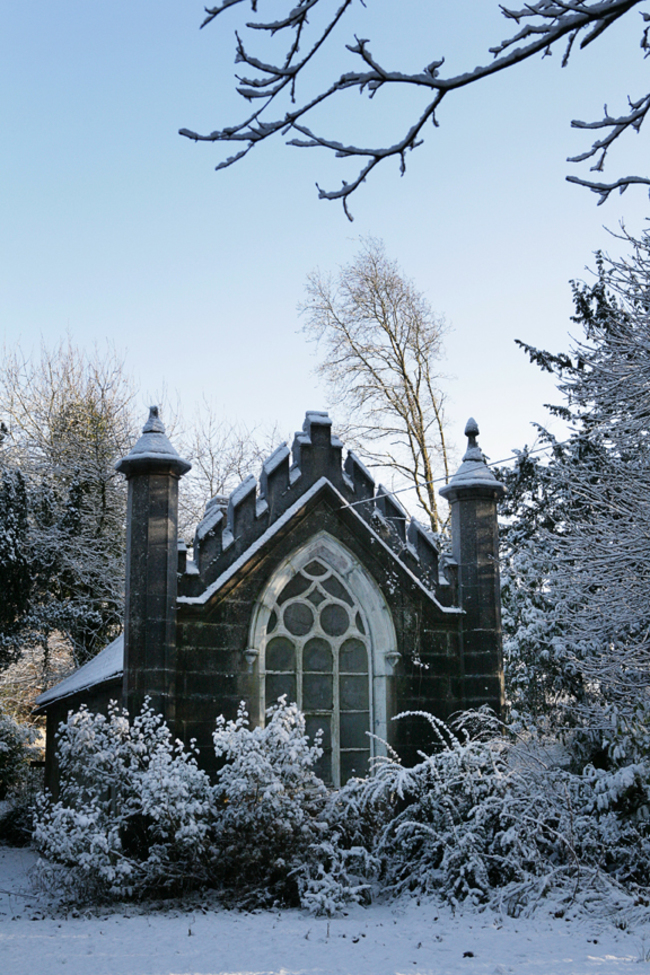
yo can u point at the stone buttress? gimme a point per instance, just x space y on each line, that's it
473 493
152 469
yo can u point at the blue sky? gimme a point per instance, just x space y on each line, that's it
115 227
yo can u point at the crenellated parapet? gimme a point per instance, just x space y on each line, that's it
231 525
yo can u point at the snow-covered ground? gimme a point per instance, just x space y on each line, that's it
401 938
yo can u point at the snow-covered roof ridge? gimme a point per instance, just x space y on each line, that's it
109 663
473 471
287 476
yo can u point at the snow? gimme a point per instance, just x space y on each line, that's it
472 472
385 939
213 515
153 445
108 663
318 418
211 519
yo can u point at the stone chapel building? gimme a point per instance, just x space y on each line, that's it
311 582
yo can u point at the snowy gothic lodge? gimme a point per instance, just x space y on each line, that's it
312 583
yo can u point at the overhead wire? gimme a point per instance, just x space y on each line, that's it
438 480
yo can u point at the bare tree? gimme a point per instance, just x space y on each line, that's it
381 345
222 453
541 26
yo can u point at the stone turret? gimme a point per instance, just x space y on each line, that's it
473 493
153 469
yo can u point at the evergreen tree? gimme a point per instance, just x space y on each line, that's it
576 608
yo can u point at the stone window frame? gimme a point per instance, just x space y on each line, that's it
382 640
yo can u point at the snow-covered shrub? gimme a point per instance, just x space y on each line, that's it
134 809
19 782
135 815
273 839
333 876
487 819
433 820
269 804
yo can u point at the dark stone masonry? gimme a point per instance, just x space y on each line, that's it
311 582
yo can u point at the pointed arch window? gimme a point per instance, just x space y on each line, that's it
317 653
322 633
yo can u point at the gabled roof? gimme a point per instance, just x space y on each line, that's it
107 665
231 527
302 502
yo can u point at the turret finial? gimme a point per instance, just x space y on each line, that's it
473 451
473 472
153 447
472 431
154 424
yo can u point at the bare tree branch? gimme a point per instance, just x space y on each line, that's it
546 24
222 453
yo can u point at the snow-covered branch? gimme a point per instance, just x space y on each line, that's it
541 27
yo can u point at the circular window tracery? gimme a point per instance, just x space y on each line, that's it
317 653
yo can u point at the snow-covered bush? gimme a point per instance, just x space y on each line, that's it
19 782
272 840
489 819
134 810
269 804
136 815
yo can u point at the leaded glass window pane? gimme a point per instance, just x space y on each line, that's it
278 685
353 657
280 654
298 618
317 655
316 597
316 568
334 619
335 588
354 692
354 725
354 764
295 587
317 692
